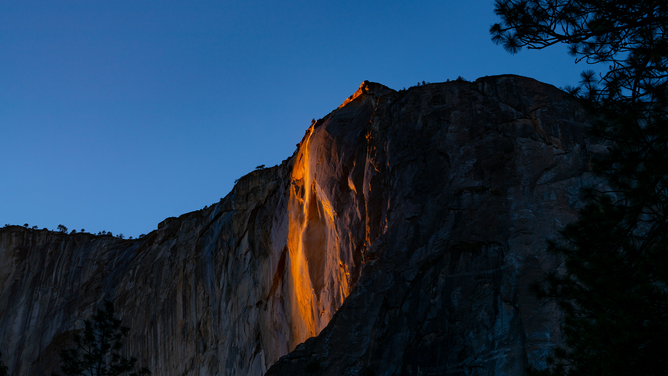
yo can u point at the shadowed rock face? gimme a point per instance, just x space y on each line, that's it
403 234
468 182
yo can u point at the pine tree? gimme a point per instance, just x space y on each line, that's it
3 368
614 292
97 351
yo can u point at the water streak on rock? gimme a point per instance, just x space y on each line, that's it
319 279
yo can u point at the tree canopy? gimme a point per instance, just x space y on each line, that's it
630 36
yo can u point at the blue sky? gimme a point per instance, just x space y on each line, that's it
117 114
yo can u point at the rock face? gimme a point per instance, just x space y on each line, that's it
400 238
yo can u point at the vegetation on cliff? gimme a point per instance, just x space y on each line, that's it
613 292
3 367
97 351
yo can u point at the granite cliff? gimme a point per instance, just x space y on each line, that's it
399 238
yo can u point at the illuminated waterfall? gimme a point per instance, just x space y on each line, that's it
319 280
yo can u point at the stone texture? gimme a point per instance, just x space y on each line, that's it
400 237
468 182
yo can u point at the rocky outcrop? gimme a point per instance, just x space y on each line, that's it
400 238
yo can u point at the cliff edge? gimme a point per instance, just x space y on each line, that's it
399 238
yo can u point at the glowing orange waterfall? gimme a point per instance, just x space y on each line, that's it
302 299
319 280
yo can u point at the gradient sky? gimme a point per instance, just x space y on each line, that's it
117 114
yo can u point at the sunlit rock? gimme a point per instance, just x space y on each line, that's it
402 235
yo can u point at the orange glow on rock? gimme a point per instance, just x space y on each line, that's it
319 281
302 297
360 91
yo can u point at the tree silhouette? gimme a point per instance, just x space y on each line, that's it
3 367
614 292
97 350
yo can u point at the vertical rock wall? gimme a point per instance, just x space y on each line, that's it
425 210
469 180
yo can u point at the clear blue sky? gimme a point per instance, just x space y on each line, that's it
117 114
